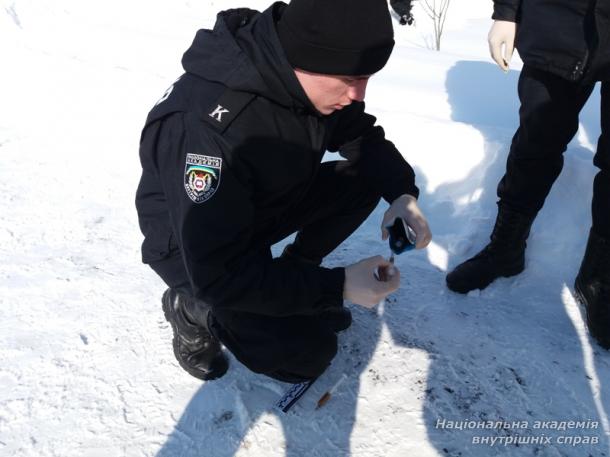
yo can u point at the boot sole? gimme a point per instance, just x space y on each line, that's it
580 297
220 364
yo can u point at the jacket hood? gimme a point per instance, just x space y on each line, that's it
243 52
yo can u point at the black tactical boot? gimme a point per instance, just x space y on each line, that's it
504 256
196 350
592 287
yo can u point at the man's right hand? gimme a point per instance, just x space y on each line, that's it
361 286
502 33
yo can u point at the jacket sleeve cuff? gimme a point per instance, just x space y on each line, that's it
400 187
505 12
332 282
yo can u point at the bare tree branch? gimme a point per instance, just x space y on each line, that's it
437 12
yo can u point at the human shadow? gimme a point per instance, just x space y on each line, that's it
509 354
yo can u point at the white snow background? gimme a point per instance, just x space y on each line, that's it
86 365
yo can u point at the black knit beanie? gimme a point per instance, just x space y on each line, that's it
337 37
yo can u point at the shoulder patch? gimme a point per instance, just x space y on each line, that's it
201 176
226 108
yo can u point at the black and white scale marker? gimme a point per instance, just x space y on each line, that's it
292 395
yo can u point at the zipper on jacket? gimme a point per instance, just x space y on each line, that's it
590 37
579 68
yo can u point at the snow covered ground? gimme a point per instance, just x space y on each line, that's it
86 362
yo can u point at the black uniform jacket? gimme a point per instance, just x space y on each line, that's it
229 147
569 38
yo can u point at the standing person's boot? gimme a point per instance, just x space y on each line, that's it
593 287
196 349
504 256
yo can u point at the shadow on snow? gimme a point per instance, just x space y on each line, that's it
510 353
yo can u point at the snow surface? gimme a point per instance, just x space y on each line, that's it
87 366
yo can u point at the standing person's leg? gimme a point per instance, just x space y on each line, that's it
593 281
548 121
601 185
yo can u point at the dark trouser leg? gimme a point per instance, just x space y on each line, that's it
310 364
592 284
173 271
298 348
336 205
601 185
548 121
290 349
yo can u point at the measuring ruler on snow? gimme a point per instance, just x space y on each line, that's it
292 395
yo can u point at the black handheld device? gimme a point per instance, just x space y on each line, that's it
402 237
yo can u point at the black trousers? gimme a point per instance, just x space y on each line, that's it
548 117
293 348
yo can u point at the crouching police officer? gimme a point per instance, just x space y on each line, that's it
231 159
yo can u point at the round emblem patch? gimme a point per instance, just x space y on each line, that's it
201 176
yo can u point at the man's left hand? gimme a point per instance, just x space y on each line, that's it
406 207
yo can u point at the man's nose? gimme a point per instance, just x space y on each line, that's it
357 90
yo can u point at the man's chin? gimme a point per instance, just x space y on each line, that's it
326 111
331 109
